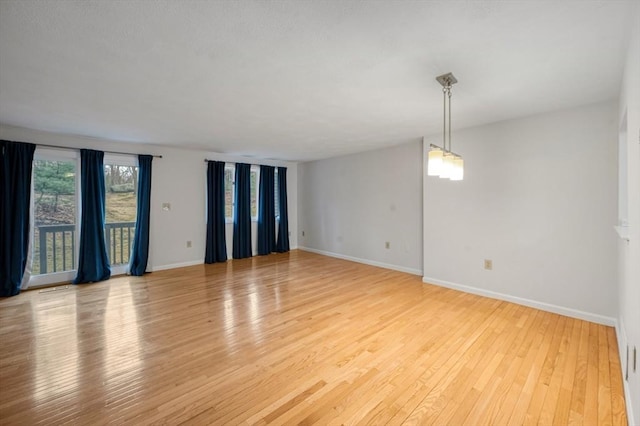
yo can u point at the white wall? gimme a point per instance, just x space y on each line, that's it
178 178
629 252
350 206
539 200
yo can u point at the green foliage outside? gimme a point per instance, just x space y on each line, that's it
53 179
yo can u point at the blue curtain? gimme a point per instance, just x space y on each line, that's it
16 164
266 212
140 252
216 250
242 213
283 231
93 264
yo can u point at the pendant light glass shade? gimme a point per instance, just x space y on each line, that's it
458 169
447 166
434 165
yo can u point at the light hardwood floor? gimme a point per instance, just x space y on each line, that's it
297 338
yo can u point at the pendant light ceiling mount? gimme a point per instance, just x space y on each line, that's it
447 80
443 162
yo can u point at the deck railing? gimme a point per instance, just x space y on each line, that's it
56 246
119 240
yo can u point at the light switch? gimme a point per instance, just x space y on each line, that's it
166 206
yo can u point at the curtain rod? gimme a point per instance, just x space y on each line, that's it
206 160
110 152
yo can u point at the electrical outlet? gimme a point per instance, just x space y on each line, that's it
387 245
188 244
488 264
166 207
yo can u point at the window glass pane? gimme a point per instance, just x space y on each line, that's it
276 192
54 188
254 194
121 182
228 193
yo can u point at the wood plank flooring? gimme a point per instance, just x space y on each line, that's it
297 338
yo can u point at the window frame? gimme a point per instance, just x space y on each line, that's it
232 168
255 169
54 154
276 195
120 160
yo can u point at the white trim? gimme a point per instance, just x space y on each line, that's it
45 153
624 231
28 267
129 160
365 261
561 310
621 337
235 159
120 269
151 268
67 156
175 265
49 278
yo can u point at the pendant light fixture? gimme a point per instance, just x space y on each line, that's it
443 162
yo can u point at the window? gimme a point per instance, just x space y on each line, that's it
255 179
121 202
229 196
55 216
276 194
229 192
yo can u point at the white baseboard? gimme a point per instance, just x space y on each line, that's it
365 261
621 337
184 264
569 312
175 265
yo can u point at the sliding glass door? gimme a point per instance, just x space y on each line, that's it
56 213
121 181
55 216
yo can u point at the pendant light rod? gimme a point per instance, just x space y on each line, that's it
444 118
446 80
449 94
443 162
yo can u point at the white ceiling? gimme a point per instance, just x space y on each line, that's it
299 80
